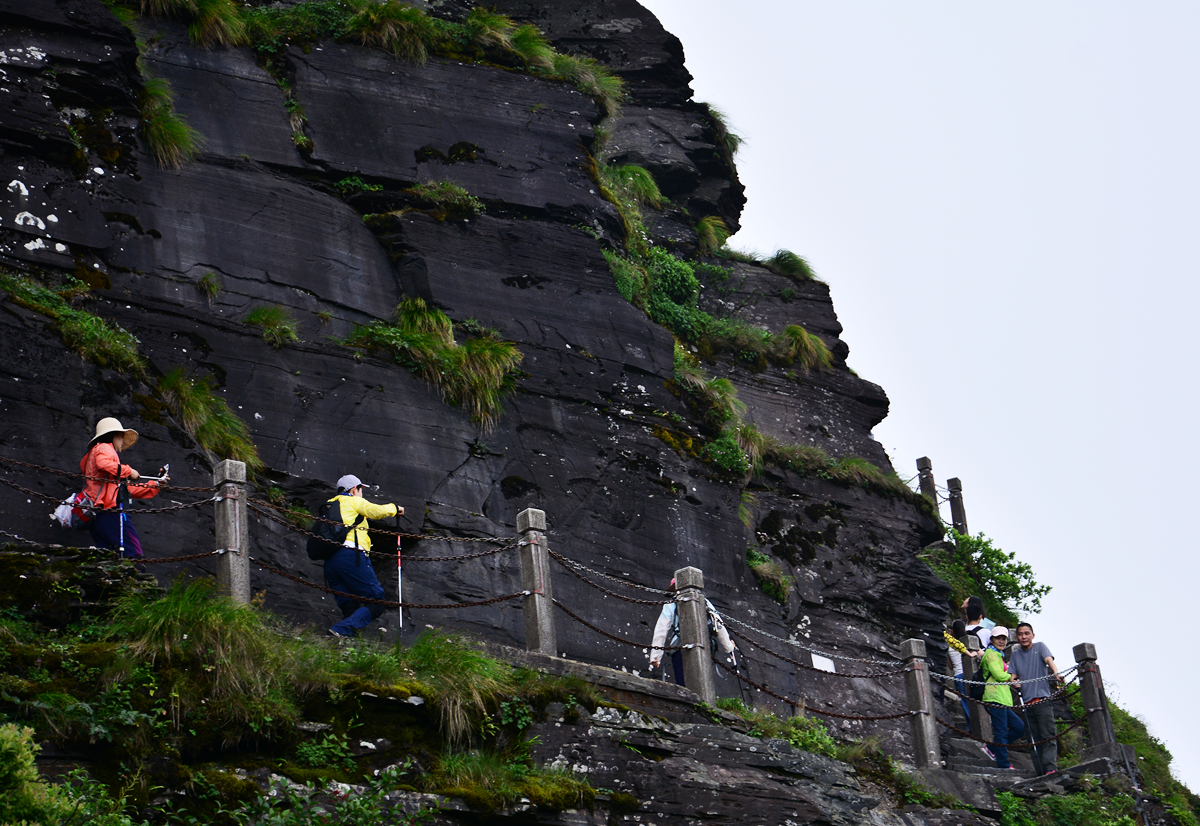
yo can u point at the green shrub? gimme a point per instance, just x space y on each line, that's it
752 442
277 325
477 374
24 796
332 751
973 565
786 262
711 233
355 183
446 199
87 335
399 28
724 454
770 575
206 417
172 142
631 280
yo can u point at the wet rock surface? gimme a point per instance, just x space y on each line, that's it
594 434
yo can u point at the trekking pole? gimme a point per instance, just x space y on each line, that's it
743 690
1037 758
121 528
399 578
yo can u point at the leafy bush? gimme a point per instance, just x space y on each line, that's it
973 565
353 183
770 575
277 325
89 336
724 454
206 417
172 142
447 199
331 751
1093 808
285 805
477 374
24 797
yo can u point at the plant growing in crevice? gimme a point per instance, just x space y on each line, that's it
769 573
446 200
804 347
476 374
172 142
206 417
210 285
633 181
405 31
728 141
276 323
711 233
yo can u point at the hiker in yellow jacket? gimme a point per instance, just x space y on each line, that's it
349 570
1006 725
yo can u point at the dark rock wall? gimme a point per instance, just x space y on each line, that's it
581 438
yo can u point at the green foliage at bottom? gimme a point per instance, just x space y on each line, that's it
1081 809
488 781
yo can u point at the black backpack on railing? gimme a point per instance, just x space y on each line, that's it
330 532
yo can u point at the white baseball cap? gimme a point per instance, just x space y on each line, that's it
1000 631
349 481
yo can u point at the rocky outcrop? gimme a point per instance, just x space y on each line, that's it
595 433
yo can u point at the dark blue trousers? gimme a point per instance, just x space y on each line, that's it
1006 727
350 572
106 533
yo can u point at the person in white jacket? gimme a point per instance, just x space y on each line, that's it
666 635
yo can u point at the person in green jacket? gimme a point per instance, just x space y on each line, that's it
1006 725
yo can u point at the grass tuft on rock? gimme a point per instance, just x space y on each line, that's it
446 200
206 417
711 233
276 323
786 262
405 31
466 683
172 142
769 573
477 374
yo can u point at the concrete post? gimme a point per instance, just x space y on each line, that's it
1091 691
535 578
927 753
958 514
232 531
981 721
928 486
693 633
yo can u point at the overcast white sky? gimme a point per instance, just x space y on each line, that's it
1005 201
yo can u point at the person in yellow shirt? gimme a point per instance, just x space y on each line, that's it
349 570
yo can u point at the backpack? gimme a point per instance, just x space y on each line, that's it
75 512
330 532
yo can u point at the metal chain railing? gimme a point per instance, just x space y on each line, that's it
387 603
513 542
799 664
1074 724
85 477
385 531
796 703
580 566
794 644
613 637
148 561
1063 674
1062 692
563 561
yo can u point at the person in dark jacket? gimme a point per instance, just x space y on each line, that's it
104 473
349 570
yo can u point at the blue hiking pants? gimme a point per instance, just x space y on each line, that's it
106 533
350 572
1006 727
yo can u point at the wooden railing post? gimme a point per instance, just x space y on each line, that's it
535 578
693 633
958 513
1101 742
927 753
928 485
232 530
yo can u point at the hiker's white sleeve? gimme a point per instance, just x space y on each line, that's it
722 633
661 629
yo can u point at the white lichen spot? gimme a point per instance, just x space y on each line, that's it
17 186
60 247
52 219
35 244
28 219
98 170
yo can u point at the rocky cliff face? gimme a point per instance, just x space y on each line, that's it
587 435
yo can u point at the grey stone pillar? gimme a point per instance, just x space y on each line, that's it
958 513
928 486
981 721
927 753
693 633
1091 691
535 578
232 531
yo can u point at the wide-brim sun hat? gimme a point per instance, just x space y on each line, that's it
110 425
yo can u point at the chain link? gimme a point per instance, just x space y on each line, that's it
387 554
165 509
614 637
149 561
562 561
85 477
795 644
384 602
1062 692
384 531
970 736
794 703
1062 674
874 675
631 584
